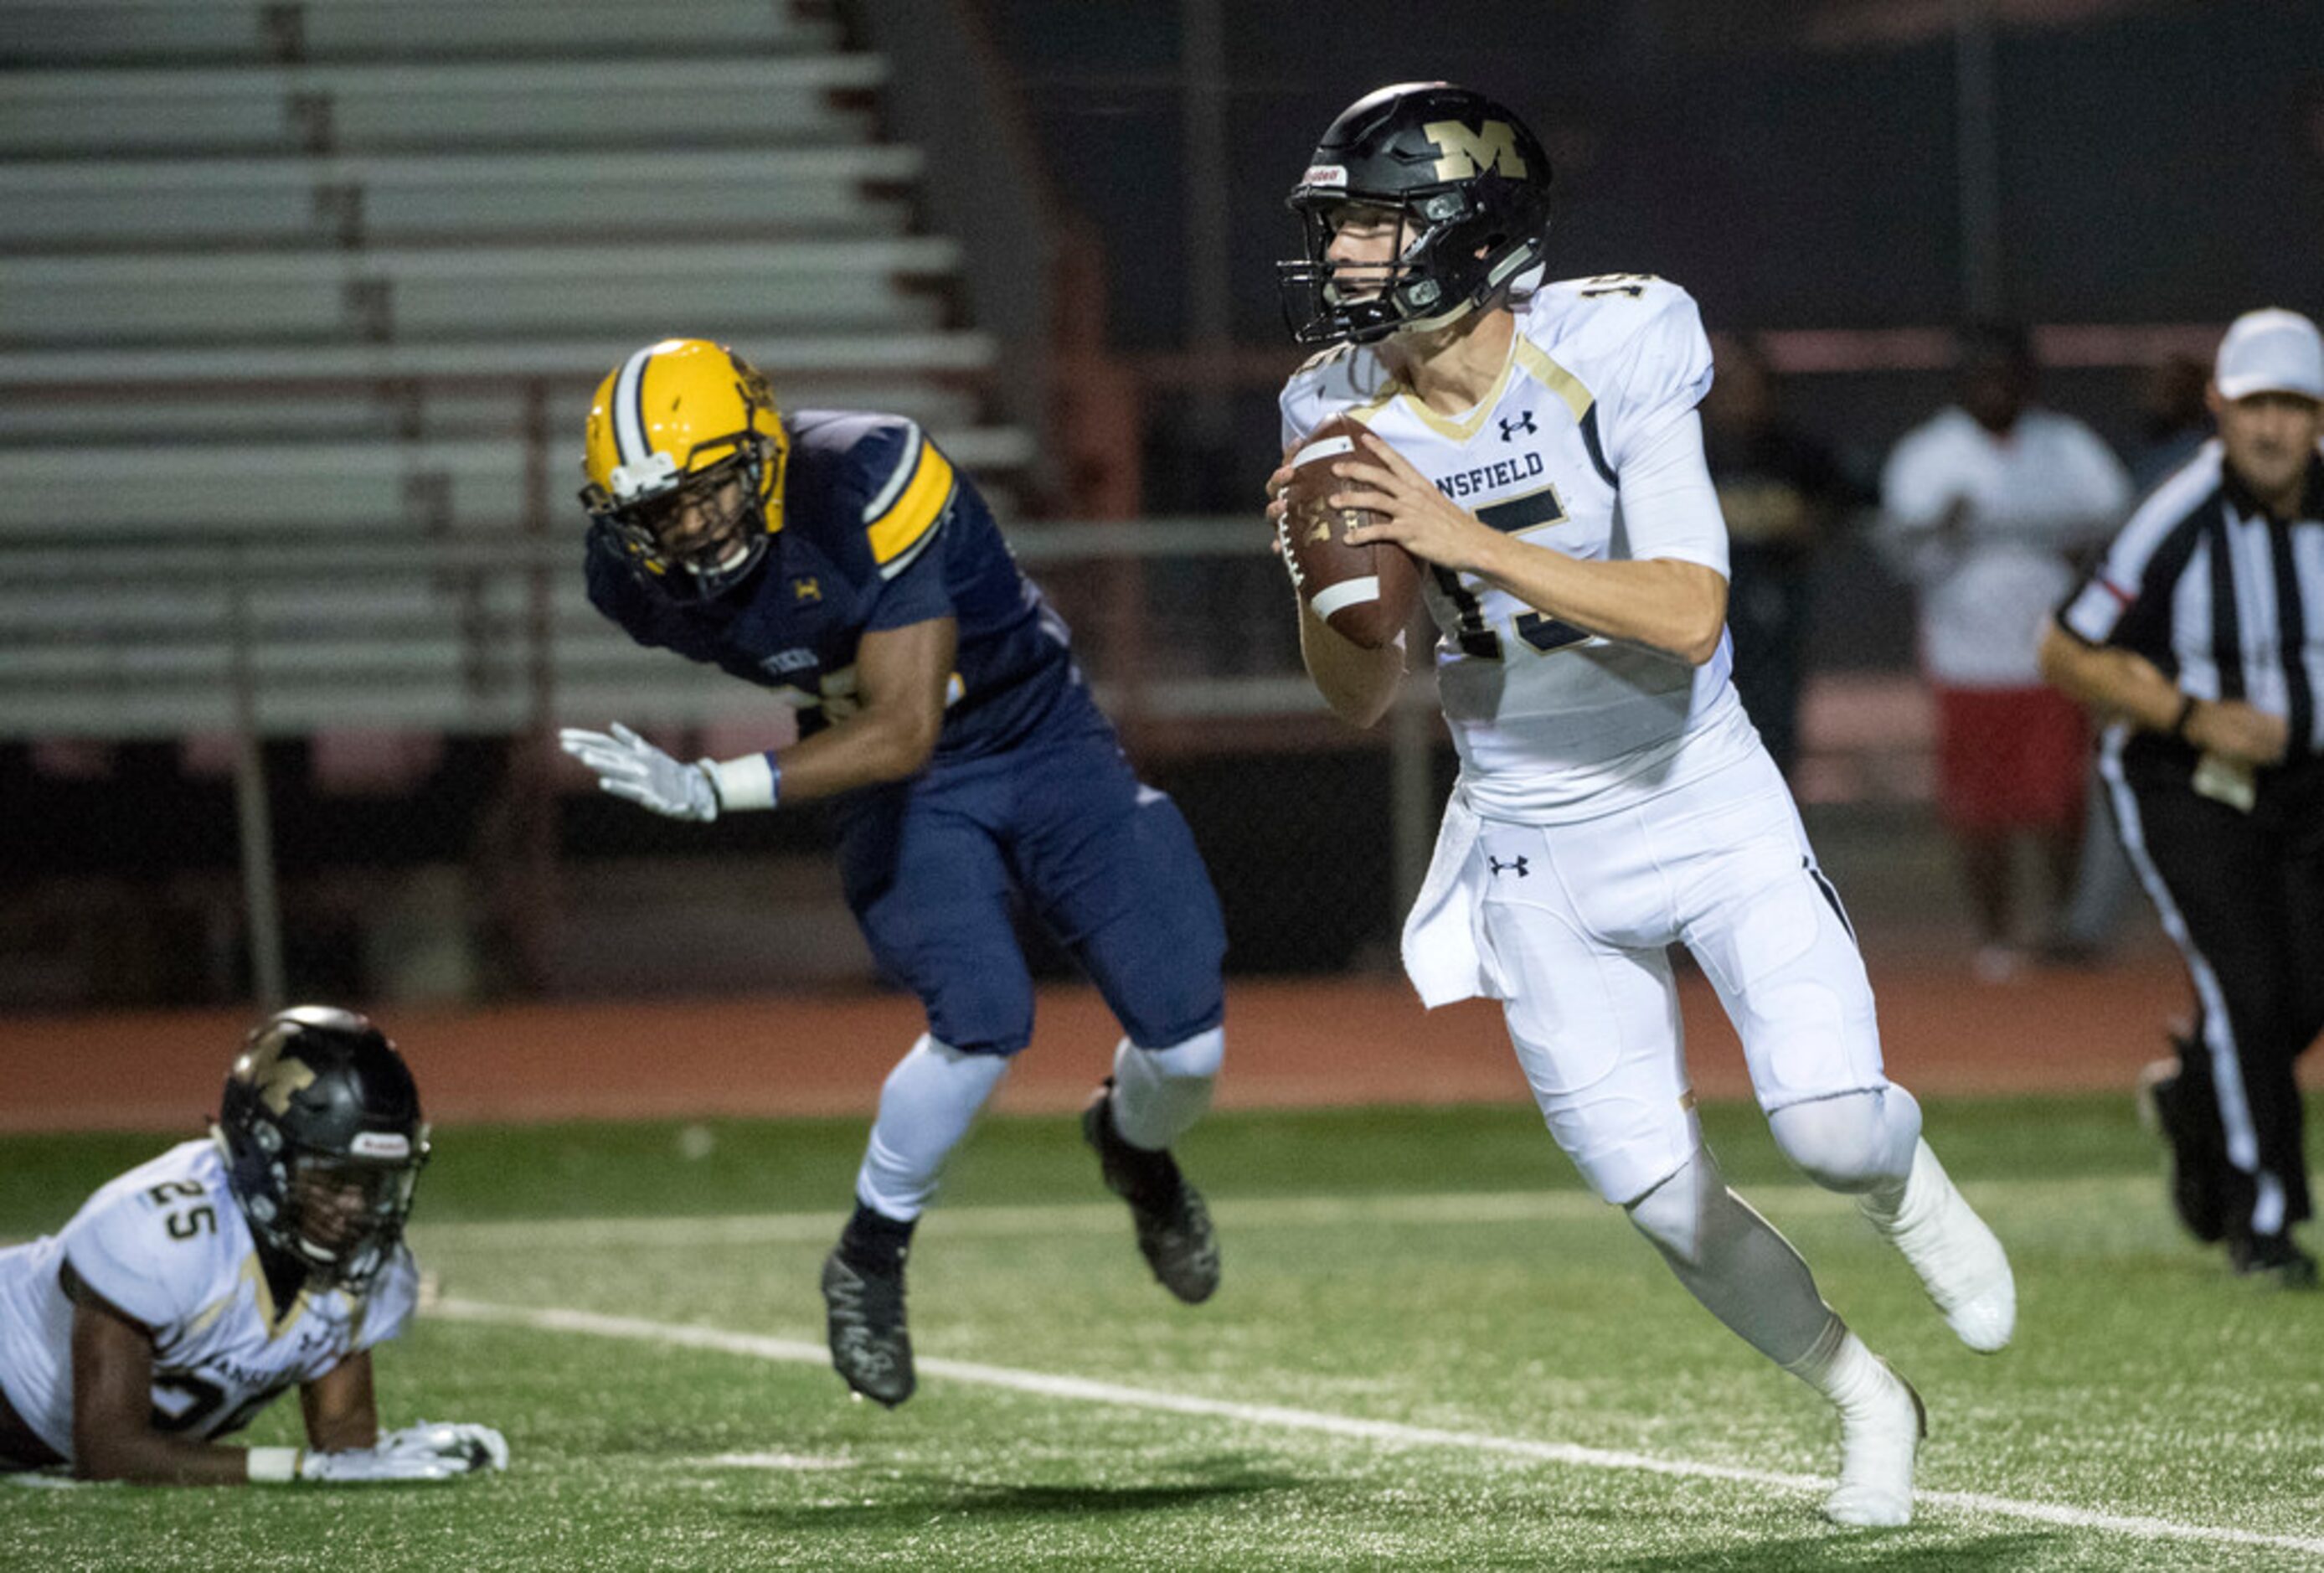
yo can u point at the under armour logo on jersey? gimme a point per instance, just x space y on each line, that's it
806 590
1499 867
1524 422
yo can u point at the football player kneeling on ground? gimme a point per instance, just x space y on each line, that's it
188 1293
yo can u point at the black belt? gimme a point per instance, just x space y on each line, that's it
21 1446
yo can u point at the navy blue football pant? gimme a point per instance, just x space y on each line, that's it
933 867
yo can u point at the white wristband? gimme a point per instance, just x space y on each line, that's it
273 1466
752 781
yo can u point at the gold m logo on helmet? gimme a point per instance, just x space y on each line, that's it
278 1080
1462 153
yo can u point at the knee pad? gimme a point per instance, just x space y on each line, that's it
1159 1094
1199 1056
1856 1143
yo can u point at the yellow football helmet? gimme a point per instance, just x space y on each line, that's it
685 454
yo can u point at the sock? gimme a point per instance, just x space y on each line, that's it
1734 1262
1839 1367
873 1242
1159 1094
926 1106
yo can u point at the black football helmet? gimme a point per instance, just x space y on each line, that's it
1469 185
323 1140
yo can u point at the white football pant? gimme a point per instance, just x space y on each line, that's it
1574 924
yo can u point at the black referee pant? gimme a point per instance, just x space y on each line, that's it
2243 896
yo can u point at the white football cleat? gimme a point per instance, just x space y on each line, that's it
1880 1432
1959 1262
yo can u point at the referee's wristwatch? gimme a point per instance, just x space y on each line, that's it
2186 715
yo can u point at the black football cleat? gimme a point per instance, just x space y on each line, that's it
2272 1257
1174 1225
870 1347
2197 1193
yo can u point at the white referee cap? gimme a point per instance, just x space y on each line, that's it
2273 351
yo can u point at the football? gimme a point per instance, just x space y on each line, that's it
1365 594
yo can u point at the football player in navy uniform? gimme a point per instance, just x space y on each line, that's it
838 561
190 1292
1536 446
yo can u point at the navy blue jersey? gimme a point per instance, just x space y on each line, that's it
877 531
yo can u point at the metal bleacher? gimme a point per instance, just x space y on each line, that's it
178 32
442 292
388 108
346 200
308 299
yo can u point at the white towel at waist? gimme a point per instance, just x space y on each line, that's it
1444 952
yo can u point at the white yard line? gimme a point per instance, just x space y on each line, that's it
1077 1389
1093 1218
501 1237
1448 1208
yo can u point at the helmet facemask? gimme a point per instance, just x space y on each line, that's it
339 1216
1466 181
1455 261
693 534
320 1128
347 1215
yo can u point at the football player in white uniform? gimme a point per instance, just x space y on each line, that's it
1536 447
188 1293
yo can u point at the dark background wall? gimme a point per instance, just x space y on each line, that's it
1795 167
2158 162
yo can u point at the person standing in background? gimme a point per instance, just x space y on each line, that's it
1984 504
1785 497
2174 418
2173 421
2199 638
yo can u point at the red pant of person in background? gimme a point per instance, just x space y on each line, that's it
2009 761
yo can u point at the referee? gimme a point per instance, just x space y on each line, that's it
2199 638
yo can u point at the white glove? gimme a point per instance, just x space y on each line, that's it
376 1466
368 1466
628 766
463 1446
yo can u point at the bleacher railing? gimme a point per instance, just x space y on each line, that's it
1182 626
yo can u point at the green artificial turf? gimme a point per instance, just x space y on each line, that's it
1438 1272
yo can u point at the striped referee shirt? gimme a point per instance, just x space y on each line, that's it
2228 602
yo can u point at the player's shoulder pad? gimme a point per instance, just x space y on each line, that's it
885 478
140 1241
1633 341
1345 376
1599 323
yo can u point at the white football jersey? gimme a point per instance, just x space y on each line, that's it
1552 722
167 1244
